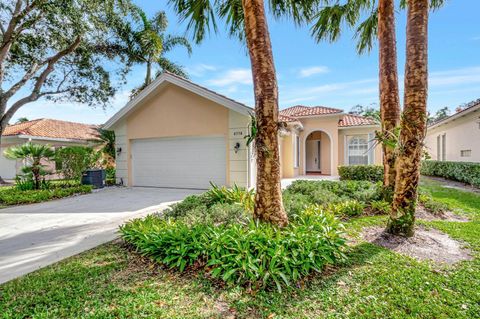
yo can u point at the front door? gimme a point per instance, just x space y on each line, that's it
313 156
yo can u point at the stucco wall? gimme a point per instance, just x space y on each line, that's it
329 126
461 134
356 131
174 111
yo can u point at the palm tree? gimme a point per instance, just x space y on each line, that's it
33 155
246 20
414 121
147 43
380 23
107 139
21 120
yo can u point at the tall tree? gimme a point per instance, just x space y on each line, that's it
246 20
380 24
414 120
389 92
147 43
55 50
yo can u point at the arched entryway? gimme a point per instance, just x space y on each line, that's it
318 153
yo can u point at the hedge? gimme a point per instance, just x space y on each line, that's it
373 173
465 172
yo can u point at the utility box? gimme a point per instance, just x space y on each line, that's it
94 177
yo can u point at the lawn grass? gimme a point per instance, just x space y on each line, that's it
111 282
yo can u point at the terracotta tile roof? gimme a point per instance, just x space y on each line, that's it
53 129
355 120
300 110
286 118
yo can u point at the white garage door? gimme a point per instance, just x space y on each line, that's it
180 162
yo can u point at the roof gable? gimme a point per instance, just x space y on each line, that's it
355 120
168 77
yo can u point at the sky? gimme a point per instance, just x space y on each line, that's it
309 73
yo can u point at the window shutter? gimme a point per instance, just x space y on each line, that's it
371 148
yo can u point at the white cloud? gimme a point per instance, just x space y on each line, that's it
476 38
313 70
454 77
200 69
233 77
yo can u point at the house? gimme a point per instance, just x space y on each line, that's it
457 137
176 133
43 131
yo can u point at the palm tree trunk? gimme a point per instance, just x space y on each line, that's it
389 93
414 121
268 198
148 76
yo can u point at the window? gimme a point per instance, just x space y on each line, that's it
444 147
439 149
297 151
357 150
466 153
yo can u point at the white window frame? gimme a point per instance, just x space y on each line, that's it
296 151
369 152
466 153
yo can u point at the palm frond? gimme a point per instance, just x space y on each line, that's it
171 41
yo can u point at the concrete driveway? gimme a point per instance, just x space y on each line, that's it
37 235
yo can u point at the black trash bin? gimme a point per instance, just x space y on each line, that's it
94 177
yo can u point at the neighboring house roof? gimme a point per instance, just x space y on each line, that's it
355 120
53 129
471 107
301 110
167 77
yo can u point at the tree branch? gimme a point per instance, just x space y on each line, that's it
36 94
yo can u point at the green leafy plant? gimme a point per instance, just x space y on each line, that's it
234 195
372 173
254 254
465 172
13 196
74 160
380 207
350 208
432 205
34 155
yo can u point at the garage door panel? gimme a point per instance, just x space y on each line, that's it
179 162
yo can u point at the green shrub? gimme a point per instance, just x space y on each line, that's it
217 214
432 205
13 196
350 208
302 193
380 207
74 160
372 173
255 254
190 203
458 171
239 195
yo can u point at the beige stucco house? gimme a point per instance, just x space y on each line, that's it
176 133
457 137
55 133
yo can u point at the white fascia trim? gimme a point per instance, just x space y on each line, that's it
165 77
455 116
357 127
55 139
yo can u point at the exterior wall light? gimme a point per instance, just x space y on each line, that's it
236 147
119 150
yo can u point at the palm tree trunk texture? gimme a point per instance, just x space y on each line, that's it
268 198
414 121
389 93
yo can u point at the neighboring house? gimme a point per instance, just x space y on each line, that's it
43 131
457 137
176 133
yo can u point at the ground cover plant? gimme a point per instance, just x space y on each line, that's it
50 190
215 231
113 282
